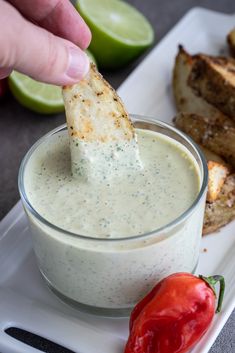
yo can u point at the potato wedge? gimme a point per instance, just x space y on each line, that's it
102 138
218 170
211 156
231 41
221 211
185 99
213 78
214 136
217 174
94 112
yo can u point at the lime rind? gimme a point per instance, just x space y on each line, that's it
116 21
119 32
39 97
24 83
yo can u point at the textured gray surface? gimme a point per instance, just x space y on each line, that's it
19 128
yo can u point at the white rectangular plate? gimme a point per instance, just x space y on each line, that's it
26 302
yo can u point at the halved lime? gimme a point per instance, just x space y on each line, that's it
40 97
119 32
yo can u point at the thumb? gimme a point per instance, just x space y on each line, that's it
36 52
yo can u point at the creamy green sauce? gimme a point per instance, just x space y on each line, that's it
95 162
140 201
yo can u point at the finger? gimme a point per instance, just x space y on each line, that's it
57 16
38 53
5 72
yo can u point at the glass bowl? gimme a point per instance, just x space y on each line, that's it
109 276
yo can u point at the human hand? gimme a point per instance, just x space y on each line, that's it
46 44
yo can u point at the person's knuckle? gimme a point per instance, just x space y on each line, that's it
6 57
52 54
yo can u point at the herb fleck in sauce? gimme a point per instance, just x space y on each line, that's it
138 201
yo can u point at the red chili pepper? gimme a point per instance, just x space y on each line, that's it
174 315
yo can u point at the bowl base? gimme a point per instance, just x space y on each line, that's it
93 310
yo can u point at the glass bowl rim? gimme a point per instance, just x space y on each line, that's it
165 228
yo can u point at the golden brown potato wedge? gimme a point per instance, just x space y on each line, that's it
221 211
231 41
185 99
94 111
211 156
214 136
218 170
102 137
215 132
213 78
217 174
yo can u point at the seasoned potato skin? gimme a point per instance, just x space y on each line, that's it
213 78
210 127
186 100
214 136
95 112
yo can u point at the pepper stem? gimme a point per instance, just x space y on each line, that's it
211 281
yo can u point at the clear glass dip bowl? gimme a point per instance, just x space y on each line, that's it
108 276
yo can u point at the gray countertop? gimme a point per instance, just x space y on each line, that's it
20 128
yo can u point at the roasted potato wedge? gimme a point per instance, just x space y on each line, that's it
213 78
217 176
231 41
214 131
211 156
214 136
221 211
218 170
185 99
94 111
100 129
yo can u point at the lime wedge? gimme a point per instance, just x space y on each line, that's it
119 32
91 57
37 96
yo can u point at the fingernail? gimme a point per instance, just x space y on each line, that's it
79 64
